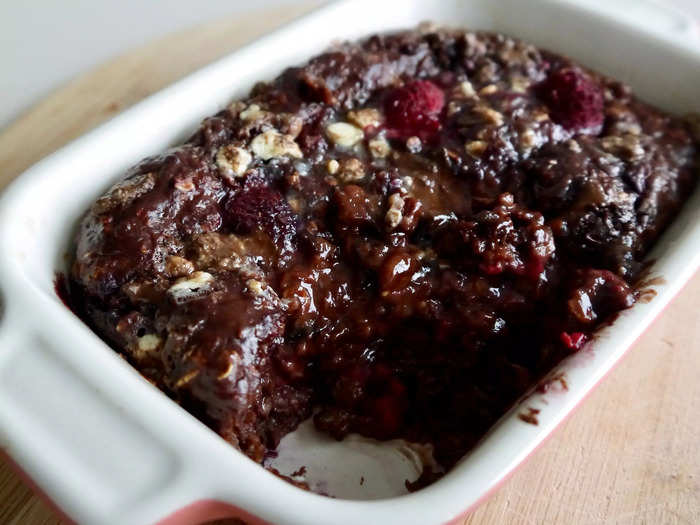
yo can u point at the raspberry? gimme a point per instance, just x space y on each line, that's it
574 341
414 110
575 101
258 206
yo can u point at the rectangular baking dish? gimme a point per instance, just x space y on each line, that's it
108 448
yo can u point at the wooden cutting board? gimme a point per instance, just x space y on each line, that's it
630 454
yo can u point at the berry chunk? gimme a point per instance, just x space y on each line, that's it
574 99
414 110
574 340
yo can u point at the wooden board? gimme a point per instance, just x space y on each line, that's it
630 454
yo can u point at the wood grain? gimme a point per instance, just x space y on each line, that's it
630 454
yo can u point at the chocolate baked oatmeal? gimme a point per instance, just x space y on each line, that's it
398 238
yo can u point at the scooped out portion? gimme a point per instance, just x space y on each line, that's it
398 239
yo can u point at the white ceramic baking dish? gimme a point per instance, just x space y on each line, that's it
107 447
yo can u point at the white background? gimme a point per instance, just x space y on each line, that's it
44 43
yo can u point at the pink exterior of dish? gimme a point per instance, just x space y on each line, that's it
209 510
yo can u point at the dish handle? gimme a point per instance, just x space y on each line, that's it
91 441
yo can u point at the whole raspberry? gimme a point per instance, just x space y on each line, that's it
413 110
575 101
258 206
